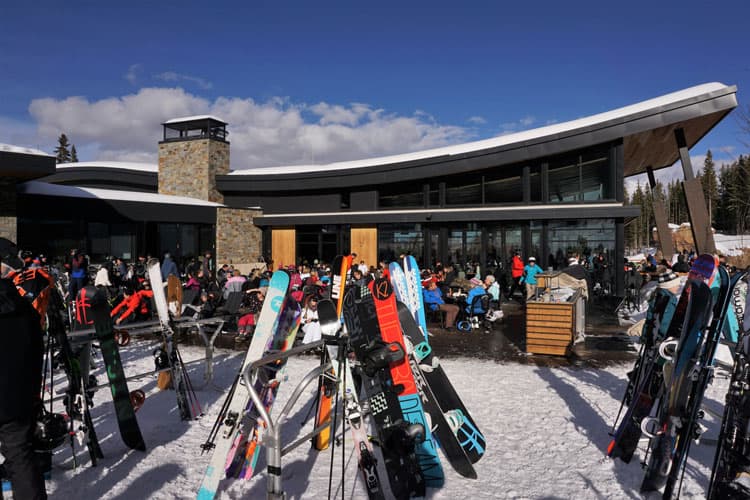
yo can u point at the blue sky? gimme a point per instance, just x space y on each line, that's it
324 81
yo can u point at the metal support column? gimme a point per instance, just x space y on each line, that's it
660 215
700 225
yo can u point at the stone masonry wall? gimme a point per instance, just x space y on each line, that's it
189 168
8 220
238 240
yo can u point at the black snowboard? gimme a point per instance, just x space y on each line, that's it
430 382
126 420
77 384
396 443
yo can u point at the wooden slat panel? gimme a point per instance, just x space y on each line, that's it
549 329
364 242
566 315
557 343
537 336
283 247
551 323
554 351
549 309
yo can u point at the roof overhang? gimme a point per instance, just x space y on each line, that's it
21 166
133 205
96 176
646 130
480 214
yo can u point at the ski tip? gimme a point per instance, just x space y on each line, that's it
610 448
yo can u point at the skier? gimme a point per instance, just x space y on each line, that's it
528 278
168 267
516 272
135 306
310 323
21 352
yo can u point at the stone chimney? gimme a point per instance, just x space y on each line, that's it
193 152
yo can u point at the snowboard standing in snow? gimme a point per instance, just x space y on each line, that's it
180 381
267 387
730 476
231 422
77 402
450 424
406 285
671 406
409 397
126 419
646 382
326 387
330 324
700 378
395 437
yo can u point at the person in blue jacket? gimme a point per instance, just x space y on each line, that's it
530 271
433 300
477 289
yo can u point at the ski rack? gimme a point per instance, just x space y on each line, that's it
154 326
272 436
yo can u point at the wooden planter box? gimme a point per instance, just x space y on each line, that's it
550 327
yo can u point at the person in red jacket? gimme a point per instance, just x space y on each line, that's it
516 271
134 306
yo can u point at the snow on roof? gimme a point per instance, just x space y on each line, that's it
502 140
192 118
126 165
45 188
9 148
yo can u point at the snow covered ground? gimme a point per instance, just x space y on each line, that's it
546 429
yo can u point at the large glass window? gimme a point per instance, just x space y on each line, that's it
464 190
465 247
504 186
404 195
583 177
535 183
395 240
502 241
584 239
317 243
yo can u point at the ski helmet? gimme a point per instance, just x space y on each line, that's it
51 431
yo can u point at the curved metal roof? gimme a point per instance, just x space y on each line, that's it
646 129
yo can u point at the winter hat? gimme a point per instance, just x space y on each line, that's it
475 281
532 259
668 280
427 282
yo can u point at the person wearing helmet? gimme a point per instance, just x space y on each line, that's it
21 354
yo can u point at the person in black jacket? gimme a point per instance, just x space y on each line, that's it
21 354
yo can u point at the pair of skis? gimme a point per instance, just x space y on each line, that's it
187 403
234 421
730 474
680 408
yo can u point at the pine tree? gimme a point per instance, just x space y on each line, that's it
62 153
710 186
73 154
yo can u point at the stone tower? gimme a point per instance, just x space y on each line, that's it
193 152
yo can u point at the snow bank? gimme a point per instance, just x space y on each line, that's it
546 429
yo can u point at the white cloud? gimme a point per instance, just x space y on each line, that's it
476 120
173 77
523 123
132 74
270 133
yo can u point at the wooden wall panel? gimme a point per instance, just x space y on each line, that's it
365 244
283 247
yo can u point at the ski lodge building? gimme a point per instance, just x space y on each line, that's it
550 192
